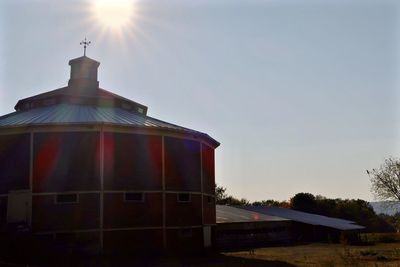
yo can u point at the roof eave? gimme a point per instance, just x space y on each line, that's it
202 136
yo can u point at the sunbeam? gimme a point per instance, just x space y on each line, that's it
113 15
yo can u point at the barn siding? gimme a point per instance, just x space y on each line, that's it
3 210
182 164
208 169
49 216
58 161
133 241
209 212
66 162
188 240
132 162
183 213
118 213
14 162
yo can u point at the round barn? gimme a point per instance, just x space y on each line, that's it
83 165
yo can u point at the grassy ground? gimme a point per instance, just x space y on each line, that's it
382 254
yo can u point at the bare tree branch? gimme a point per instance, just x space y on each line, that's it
385 181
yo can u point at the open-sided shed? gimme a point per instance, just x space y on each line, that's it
239 228
311 227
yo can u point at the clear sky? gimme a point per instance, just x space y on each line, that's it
303 95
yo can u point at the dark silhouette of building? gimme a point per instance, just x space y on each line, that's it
83 165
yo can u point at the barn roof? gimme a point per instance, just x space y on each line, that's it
305 217
84 96
72 114
229 214
84 102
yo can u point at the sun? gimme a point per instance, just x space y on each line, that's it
113 15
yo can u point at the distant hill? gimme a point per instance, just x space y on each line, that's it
385 207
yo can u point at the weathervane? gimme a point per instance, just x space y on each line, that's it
85 44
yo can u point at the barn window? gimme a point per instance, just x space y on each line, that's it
183 197
209 199
140 110
134 197
66 198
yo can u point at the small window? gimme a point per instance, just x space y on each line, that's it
209 200
66 198
134 197
183 197
140 110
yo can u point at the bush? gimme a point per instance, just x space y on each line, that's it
389 238
372 238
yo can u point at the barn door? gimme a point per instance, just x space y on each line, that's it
19 207
207 236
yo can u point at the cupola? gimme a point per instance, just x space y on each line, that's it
83 73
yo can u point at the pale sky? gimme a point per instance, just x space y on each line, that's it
303 95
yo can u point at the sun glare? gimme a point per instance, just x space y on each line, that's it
113 14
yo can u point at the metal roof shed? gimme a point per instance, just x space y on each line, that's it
238 229
310 227
229 214
307 218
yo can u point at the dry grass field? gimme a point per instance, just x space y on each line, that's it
316 254
383 254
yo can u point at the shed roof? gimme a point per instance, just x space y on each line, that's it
305 217
229 214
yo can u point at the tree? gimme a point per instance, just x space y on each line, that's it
222 198
233 201
303 202
385 181
220 194
392 220
269 202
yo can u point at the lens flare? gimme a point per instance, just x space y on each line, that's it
113 15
